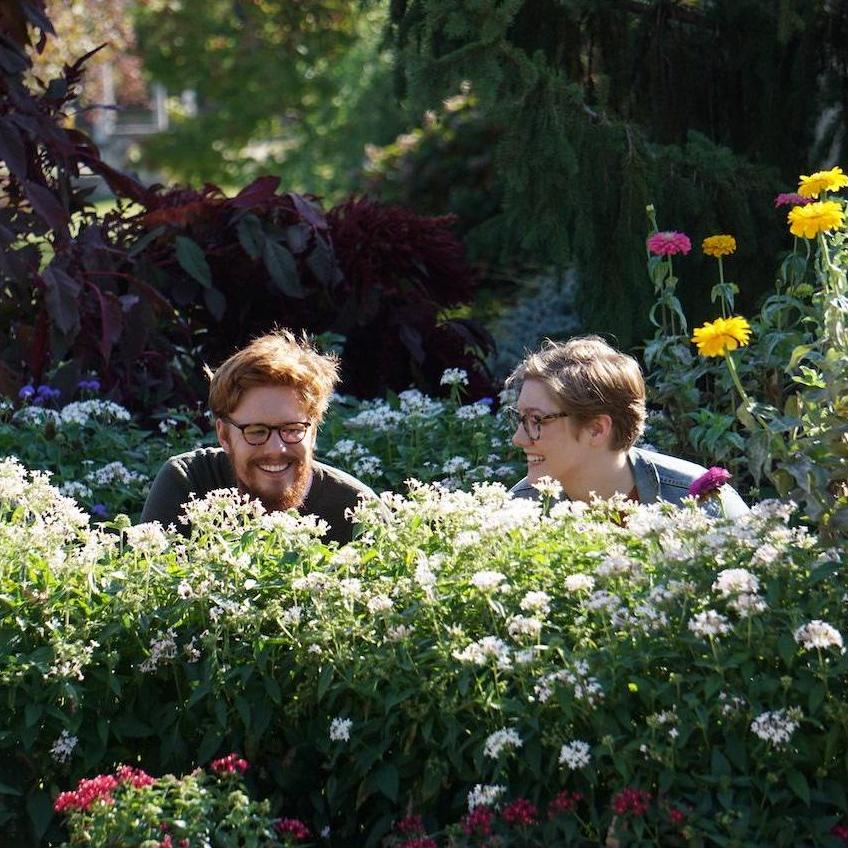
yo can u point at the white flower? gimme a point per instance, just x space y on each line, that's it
547 487
747 605
112 473
538 602
399 633
315 582
735 581
292 615
500 741
163 647
603 601
484 795
488 581
350 588
575 754
617 565
454 377
76 490
379 603
776 727
84 411
184 590
579 583
340 729
63 747
485 649
456 465
709 624
818 634
473 411
520 626
147 538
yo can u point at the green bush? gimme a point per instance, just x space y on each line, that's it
464 639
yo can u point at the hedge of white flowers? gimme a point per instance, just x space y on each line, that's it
677 679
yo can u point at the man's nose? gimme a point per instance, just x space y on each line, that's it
276 441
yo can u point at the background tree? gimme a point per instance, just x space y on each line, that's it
704 108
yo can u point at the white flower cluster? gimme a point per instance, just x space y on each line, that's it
524 627
709 625
84 412
818 635
485 650
163 647
414 404
75 489
454 377
63 747
379 603
455 465
618 565
376 416
731 704
484 795
547 487
473 411
776 727
148 538
536 602
742 587
579 583
488 581
361 461
340 729
500 741
114 472
222 510
36 416
575 755
70 659
585 687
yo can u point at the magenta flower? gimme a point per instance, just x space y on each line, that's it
790 198
710 481
668 243
294 828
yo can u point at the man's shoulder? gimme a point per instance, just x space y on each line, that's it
524 489
329 477
200 461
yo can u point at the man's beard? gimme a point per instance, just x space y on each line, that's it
291 497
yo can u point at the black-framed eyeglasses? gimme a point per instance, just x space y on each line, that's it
532 424
291 433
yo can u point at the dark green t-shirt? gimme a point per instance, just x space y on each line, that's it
205 469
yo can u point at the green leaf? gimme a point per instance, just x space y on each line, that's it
250 235
40 811
324 681
215 302
387 781
210 744
5 789
32 714
720 765
130 727
798 784
797 355
273 690
243 709
145 240
193 261
282 268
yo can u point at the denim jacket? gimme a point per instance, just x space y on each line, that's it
661 477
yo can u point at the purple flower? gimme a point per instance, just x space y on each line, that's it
487 400
46 393
790 198
89 385
710 481
26 392
99 510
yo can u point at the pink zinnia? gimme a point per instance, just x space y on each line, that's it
791 198
710 481
668 243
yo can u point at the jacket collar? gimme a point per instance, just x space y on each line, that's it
645 476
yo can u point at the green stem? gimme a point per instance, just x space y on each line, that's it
734 375
721 281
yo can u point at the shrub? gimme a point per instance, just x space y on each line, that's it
646 658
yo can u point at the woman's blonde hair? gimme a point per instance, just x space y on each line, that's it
589 377
278 358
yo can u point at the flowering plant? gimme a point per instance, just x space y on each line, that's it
205 808
465 640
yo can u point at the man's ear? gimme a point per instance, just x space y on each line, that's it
223 434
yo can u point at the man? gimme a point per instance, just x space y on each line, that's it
268 401
580 410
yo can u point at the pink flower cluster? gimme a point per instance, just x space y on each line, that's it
413 828
168 842
230 764
100 788
631 800
521 812
668 243
478 822
294 828
564 803
676 817
791 198
840 831
710 481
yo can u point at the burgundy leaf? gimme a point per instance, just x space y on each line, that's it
47 205
309 211
61 293
258 192
12 150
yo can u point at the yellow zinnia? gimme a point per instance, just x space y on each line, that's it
719 246
808 221
716 338
815 184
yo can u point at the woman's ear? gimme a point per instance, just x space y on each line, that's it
600 430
